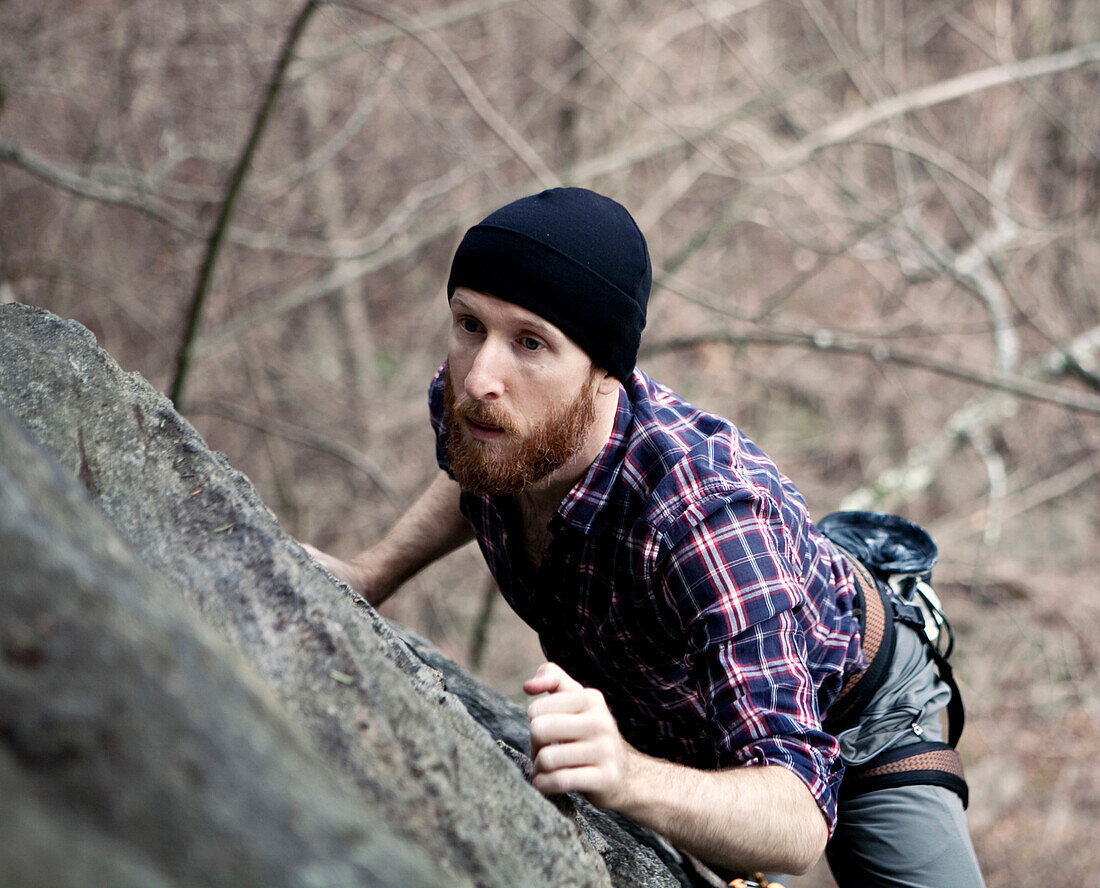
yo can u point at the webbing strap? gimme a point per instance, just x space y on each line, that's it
877 638
956 713
922 763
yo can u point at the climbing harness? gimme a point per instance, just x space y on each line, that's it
892 561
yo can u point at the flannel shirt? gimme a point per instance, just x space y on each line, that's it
685 580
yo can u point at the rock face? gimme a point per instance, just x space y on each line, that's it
187 698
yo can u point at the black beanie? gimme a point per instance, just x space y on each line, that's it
571 256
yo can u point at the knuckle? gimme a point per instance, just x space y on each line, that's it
551 784
592 698
546 761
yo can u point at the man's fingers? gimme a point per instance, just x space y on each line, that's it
574 739
576 702
578 754
550 678
326 560
585 779
344 571
565 727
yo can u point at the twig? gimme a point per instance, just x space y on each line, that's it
1025 499
236 182
998 486
466 84
305 437
1075 369
451 14
97 189
828 341
917 470
341 275
704 153
845 128
932 155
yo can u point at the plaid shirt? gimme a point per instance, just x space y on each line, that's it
684 579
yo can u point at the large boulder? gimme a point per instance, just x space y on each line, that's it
187 698
136 749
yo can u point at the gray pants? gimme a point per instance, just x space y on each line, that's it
910 836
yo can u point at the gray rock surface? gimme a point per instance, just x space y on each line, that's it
136 749
347 710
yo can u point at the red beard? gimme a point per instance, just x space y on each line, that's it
497 468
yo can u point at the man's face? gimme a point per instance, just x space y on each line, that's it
519 395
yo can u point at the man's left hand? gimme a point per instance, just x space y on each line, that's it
575 742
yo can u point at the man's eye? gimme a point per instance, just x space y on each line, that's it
468 324
530 343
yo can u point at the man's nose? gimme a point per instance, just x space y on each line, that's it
485 380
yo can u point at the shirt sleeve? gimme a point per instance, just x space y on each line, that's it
739 602
438 419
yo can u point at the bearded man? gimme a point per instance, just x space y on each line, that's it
697 624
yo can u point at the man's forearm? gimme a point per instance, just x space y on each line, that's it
432 527
758 818
749 818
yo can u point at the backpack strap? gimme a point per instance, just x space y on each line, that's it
926 763
877 638
878 611
956 714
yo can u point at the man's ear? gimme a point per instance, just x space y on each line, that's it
607 383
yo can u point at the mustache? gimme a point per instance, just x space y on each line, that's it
480 412
484 414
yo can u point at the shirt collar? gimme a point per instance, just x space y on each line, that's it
582 505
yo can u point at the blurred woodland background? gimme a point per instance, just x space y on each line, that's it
874 227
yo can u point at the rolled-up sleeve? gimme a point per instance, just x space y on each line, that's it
739 602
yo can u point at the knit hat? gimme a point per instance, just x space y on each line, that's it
571 256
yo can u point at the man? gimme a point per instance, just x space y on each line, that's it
698 625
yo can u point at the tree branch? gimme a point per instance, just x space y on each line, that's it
977 415
130 195
826 340
466 84
1043 491
641 150
236 182
845 128
451 14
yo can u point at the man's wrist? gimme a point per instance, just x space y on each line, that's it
639 774
372 580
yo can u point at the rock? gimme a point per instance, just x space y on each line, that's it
135 747
413 762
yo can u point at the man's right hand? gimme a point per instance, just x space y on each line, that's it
345 571
429 529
